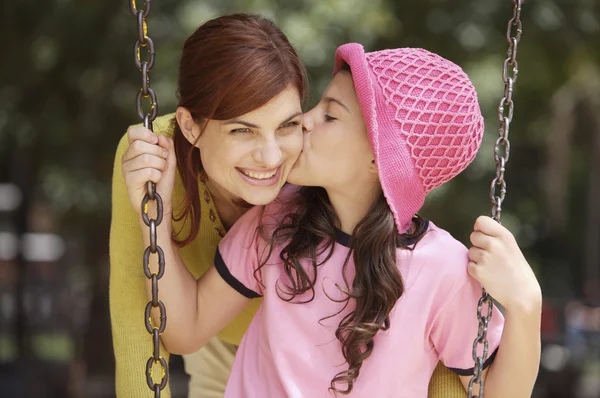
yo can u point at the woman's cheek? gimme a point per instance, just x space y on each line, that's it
293 144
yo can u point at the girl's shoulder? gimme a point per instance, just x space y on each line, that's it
437 256
436 241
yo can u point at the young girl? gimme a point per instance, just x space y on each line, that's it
360 296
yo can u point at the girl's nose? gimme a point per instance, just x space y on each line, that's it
307 122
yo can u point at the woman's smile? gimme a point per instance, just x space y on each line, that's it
260 177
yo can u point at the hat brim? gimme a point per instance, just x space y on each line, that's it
353 55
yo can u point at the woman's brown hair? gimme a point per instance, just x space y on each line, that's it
230 66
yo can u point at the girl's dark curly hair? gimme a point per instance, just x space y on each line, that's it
309 233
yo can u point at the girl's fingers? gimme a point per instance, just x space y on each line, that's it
488 226
140 133
144 161
481 240
477 255
138 148
474 270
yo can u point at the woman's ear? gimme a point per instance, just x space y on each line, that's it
189 128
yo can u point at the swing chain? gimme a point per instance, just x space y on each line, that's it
146 92
501 155
506 110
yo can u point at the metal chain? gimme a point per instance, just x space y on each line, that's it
501 155
146 92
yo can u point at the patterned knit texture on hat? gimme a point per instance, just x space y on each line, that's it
436 107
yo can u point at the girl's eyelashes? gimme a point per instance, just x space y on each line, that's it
329 118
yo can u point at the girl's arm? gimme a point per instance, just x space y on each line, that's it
196 309
514 370
499 265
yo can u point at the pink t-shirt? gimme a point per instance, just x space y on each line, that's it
290 349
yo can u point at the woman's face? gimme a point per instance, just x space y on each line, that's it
249 157
337 153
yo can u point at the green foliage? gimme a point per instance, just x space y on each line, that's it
69 84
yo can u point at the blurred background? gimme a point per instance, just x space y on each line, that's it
67 94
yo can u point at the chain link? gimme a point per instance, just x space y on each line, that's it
510 70
146 93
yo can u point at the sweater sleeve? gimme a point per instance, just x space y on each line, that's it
132 343
445 384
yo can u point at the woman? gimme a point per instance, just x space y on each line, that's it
362 297
240 72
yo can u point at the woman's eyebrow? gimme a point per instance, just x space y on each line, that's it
237 121
328 100
291 117
254 126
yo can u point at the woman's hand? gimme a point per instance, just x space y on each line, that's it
496 261
149 158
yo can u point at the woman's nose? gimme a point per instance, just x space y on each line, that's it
270 153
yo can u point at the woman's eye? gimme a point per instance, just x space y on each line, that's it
329 118
240 130
288 128
290 125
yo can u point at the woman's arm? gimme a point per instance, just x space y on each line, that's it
196 310
498 264
131 342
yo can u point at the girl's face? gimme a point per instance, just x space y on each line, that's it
337 153
249 157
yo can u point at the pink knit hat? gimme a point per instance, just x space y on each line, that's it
422 117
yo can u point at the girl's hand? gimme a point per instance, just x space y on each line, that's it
149 158
496 261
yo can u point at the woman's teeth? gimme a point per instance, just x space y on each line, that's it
259 176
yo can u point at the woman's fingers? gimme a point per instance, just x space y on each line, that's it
139 178
137 148
165 142
169 149
145 160
149 158
140 133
